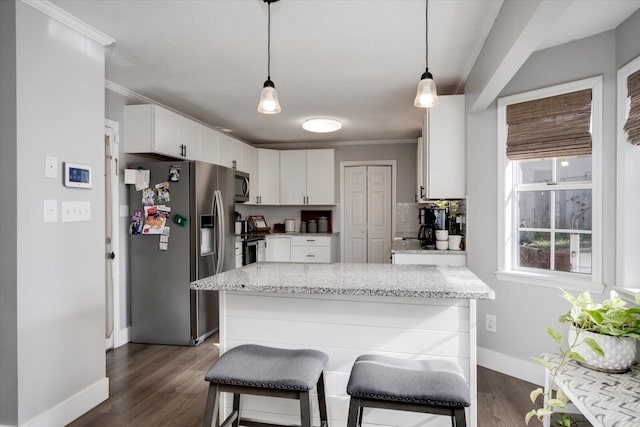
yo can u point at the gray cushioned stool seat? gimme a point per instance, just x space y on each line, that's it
266 371
268 367
430 386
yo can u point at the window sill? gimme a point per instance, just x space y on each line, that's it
631 295
550 281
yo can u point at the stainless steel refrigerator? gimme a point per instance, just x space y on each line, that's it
199 243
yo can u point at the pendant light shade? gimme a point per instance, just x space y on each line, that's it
269 97
426 96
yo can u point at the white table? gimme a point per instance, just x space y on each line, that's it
606 400
345 310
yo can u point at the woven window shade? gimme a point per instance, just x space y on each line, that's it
632 126
556 126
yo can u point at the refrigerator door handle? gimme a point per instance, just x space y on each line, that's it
220 231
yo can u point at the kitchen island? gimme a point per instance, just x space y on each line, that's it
345 310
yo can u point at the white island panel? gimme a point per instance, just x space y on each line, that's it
345 327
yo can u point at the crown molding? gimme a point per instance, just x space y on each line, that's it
71 21
115 87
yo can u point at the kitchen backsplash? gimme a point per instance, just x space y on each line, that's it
406 215
277 214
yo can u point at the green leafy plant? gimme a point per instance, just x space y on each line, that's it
610 317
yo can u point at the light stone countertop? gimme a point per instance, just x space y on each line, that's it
392 280
412 246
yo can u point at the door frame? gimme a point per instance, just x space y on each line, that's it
346 164
112 130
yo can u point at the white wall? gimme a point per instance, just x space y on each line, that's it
59 267
524 311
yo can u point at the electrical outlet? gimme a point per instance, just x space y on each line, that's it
490 322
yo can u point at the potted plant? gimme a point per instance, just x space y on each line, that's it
601 336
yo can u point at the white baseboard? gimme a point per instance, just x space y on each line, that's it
526 370
123 337
72 408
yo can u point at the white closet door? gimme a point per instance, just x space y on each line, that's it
367 214
379 214
355 205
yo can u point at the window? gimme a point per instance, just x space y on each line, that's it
549 212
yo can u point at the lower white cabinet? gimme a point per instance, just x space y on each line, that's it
309 248
278 249
262 250
431 259
238 254
301 248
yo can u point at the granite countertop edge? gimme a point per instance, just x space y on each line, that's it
331 279
302 290
427 252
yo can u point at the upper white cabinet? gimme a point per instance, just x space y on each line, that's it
441 151
152 129
225 151
210 145
267 184
307 177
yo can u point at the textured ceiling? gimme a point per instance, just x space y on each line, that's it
358 61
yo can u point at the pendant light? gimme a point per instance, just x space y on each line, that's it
269 97
426 96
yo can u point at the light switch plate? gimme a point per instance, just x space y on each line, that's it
50 167
76 211
50 211
124 211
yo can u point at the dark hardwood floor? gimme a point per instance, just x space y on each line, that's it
159 385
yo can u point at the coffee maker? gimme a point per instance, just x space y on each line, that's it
431 219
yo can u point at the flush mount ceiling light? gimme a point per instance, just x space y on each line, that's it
269 97
322 125
427 96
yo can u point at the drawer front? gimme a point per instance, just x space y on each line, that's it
311 240
321 254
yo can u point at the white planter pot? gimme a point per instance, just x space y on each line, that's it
619 353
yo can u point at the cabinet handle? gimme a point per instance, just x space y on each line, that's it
234 164
311 256
310 240
422 195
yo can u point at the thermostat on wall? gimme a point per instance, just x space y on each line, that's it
77 176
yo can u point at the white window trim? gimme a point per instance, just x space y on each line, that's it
506 204
626 196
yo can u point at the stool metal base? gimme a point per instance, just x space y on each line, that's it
235 420
357 405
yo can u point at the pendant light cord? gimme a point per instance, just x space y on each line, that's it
269 41
426 32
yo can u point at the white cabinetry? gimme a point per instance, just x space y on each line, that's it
238 248
153 129
225 151
262 250
267 184
441 151
310 248
210 145
278 249
430 259
307 177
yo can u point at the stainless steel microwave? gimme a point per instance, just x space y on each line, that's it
242 187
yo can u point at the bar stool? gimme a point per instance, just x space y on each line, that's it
266 371
428 386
